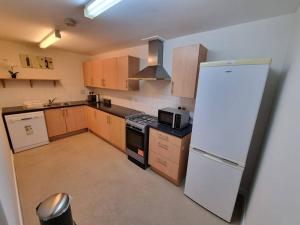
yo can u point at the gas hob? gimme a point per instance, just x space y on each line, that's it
140 121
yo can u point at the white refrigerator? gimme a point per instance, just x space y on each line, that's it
229 96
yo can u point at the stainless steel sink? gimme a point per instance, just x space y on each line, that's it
53 105
57 104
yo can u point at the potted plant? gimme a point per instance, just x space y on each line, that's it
12 73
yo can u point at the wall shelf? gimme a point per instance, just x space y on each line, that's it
31 80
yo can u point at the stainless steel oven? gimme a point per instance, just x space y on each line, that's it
136 143
137 133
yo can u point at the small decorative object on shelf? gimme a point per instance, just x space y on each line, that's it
12 73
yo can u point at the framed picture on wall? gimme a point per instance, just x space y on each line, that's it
26 61
37 62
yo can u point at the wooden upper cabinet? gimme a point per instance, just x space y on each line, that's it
75 118
88 73
111 73
97 74
127 66
186 62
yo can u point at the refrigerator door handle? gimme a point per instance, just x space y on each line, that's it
217 159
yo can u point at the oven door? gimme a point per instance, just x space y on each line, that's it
135 143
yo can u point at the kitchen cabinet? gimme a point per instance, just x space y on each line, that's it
109 127
111 73
88 73
92 119
127 66
102 120
117 132
55 120
75 118
98 75
64 120
186 63
168 155
113 129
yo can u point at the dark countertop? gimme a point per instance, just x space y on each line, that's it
166 129
116 110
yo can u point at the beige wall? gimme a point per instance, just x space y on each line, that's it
67 67
264 38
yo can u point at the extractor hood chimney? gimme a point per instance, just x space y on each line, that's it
155 69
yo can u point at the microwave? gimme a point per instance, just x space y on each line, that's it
175 118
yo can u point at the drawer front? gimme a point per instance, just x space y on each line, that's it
166 145
166 149
163 165
164 138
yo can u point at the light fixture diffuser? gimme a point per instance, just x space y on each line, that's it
50 39
96 7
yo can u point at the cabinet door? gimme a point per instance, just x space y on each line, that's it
75 118
109 73
186 62
117 132
56 123
98 77
88 73
103 125
91 118
122 73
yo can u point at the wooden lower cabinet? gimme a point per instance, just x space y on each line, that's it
75 118
102 121
65 120
117 132
168 155
109 127
91 118
56 123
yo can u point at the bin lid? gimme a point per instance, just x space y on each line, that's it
53 206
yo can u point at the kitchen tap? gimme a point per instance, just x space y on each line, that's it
51 101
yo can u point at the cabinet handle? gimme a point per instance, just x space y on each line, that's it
162 162
172 86
126 83
163 146
162 137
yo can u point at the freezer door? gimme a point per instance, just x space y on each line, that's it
227 104
212 183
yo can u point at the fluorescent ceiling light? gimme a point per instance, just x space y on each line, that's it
96 7
50 39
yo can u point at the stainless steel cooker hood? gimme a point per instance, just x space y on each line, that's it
155 69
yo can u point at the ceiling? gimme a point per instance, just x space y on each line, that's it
128 22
